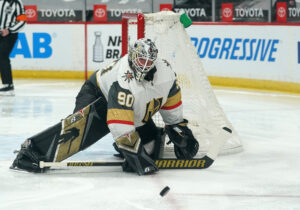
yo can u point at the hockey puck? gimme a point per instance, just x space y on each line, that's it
164 191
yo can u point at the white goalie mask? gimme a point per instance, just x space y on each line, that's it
142 55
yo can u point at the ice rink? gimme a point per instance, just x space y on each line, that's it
266 175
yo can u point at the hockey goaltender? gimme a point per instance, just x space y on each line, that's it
120 99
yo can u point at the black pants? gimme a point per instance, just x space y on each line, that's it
90 93
6 45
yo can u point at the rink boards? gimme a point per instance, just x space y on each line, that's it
254 56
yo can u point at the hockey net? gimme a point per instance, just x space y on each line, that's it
200 105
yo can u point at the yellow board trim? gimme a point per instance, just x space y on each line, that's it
49 74
266 85
257 84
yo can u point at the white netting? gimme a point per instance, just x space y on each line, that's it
201 107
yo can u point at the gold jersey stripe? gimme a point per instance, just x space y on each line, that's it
172 101
120 115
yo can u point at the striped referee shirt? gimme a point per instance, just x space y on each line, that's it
12 15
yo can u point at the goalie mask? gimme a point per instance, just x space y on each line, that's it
141 57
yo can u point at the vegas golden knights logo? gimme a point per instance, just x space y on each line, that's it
72 134
151 108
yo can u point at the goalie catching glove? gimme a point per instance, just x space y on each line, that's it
136 158
185 144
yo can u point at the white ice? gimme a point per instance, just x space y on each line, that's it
266 175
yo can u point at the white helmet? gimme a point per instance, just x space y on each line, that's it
141 57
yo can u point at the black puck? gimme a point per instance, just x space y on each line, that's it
164 191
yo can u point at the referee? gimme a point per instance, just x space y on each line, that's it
12 19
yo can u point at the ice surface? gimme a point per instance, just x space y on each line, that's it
264 176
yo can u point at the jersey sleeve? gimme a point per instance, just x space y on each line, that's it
120 114
20 18
171 111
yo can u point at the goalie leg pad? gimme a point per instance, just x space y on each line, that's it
71 135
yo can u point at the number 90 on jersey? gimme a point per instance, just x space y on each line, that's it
125 99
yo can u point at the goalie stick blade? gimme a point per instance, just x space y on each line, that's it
198 163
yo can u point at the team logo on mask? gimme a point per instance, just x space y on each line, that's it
128 76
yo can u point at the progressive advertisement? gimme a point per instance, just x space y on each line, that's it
254 52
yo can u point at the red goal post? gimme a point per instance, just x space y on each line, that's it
140 21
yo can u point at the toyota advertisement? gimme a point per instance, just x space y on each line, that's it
112 11
197 10
286 11
34 14
243 11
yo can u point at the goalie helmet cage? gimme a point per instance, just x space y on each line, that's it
200 106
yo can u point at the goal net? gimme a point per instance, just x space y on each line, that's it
200 105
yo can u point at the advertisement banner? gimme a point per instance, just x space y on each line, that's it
197 10
31 13
59 15
286 11
293 11
114 9
104 45
243 10
49 47
227 12
281 12
254 52
263 52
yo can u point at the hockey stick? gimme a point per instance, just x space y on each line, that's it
198 163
